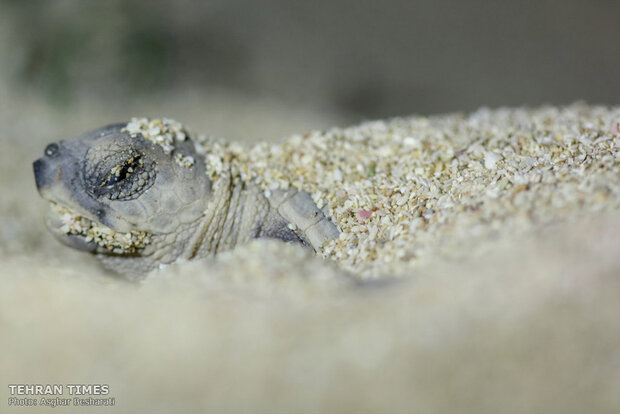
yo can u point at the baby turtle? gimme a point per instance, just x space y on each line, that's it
137 195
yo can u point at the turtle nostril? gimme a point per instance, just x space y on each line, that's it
52 150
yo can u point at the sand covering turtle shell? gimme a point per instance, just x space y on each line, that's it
406 189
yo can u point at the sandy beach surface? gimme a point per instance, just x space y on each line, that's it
478 271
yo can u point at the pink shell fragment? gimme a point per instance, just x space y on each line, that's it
614 128
364 213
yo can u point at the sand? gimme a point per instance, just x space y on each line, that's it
504 300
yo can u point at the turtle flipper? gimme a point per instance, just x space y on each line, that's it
303 216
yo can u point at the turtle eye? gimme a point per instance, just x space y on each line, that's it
121 174
124 170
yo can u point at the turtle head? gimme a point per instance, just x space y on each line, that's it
114 189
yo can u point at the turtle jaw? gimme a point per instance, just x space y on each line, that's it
79 221
84 234
58 221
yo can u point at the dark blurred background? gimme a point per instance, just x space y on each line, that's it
339 61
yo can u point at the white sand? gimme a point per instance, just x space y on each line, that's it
520 317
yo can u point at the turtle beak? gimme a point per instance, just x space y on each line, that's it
40 173
54 173
45 175
48 169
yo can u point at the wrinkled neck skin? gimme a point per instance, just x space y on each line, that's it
234 214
